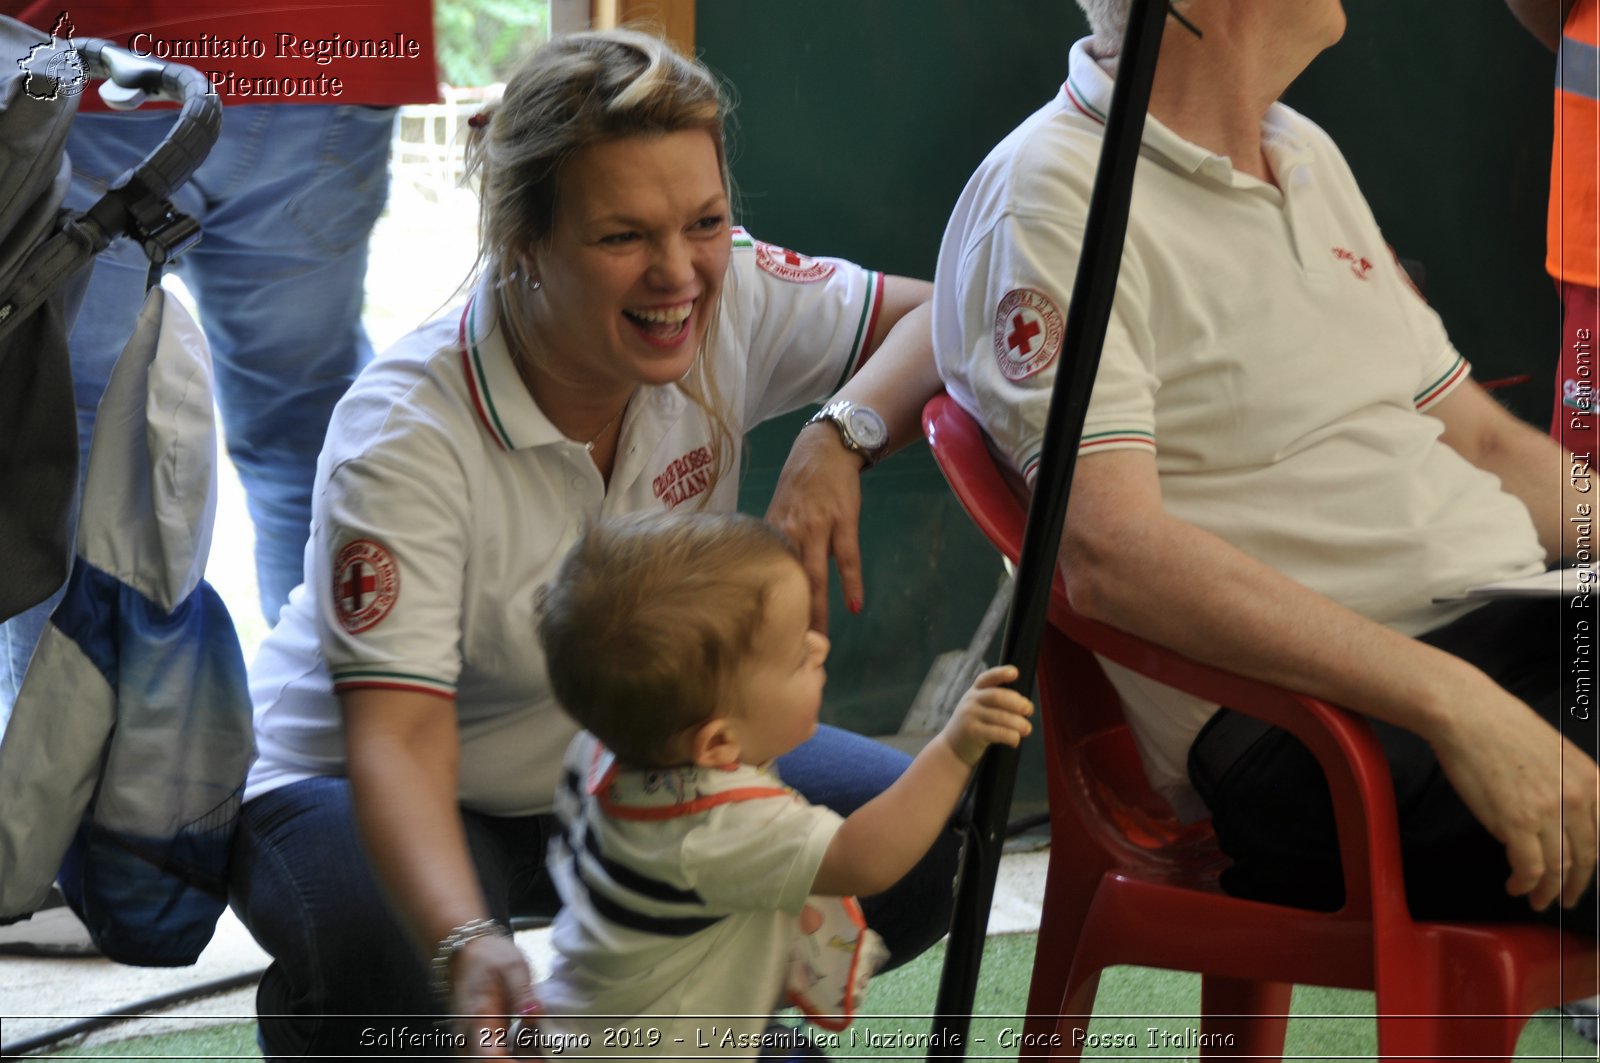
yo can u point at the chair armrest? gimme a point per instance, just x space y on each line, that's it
1342 742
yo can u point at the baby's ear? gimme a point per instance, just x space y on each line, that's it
714 744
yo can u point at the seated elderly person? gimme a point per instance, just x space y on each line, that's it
1285 463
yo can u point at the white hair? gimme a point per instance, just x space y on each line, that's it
1108 19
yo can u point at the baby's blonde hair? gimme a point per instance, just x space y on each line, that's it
647 621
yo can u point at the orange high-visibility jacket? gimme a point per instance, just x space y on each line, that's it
1574 242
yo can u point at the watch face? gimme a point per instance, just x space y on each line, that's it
866 428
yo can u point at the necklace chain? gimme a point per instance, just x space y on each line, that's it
524 373
589 446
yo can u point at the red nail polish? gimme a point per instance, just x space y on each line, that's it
854 605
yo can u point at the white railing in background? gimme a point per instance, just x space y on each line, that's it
429 147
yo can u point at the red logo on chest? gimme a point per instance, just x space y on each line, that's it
683 478
1358 265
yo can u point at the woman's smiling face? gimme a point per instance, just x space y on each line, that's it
632 270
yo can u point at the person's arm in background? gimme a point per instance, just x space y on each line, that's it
1118 552
403 761
1542 18
817 502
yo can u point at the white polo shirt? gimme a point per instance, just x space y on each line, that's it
446 499
1264 345
681 891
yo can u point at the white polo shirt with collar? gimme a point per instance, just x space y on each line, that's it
446 499
1264 345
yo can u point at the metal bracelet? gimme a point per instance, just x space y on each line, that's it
459 938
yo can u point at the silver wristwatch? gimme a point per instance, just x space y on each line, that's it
861 430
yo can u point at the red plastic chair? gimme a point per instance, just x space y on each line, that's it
1129 884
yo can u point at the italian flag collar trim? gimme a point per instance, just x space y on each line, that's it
495 388
478 379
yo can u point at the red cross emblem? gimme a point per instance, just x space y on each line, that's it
359 583
366 584
790 265
1027 333
1023 330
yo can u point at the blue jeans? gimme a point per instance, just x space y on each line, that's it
308 896
287 200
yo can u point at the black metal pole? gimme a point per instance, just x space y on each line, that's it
1087 318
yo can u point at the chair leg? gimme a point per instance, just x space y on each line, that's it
1068 894
1483 1031
1062 1033
1239 1017
1449 1037
1429 1007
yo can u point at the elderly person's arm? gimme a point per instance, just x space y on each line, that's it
817 502
1131 565
1553 484
403 755
1542 18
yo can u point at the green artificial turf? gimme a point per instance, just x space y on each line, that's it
1327 1023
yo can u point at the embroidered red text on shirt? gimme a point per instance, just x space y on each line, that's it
684 477
1358 265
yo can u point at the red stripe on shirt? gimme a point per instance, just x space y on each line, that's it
1073 96
872 323
688 808
1434 393
372 684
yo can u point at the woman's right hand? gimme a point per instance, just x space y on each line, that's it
490 987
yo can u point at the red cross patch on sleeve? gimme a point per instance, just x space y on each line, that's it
791 266
1027 333
366 584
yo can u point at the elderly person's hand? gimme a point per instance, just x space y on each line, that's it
1532 789
817 504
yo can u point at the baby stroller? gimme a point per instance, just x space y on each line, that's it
43 250
123 761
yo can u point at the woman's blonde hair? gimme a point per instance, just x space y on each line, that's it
575 91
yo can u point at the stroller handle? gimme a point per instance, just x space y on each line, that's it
198 124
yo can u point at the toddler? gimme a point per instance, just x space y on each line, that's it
682 645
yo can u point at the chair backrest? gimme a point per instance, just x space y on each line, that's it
1091 758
